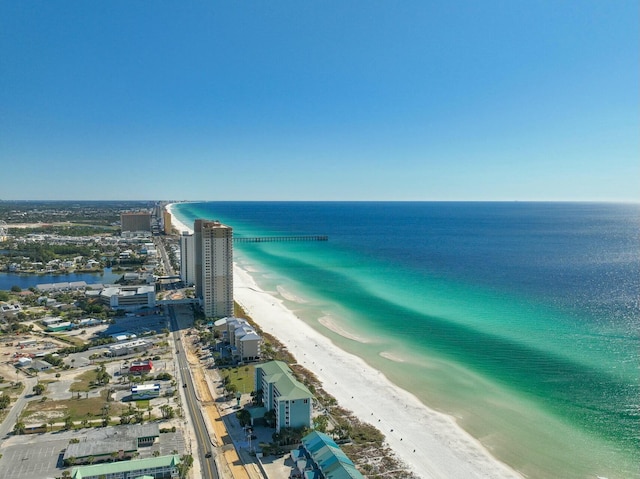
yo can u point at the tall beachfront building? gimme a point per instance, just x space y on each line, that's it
187 258
167 227
213 243
135 221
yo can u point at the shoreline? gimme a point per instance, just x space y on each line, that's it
430 443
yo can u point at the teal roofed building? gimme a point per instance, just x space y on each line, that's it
284 394
319 457
163 467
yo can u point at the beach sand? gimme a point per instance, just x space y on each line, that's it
430 443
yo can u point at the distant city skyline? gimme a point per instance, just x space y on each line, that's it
350 100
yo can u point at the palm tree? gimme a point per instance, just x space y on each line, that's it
68 423
167 411
232 389
244 416
270 418
19 428
257 398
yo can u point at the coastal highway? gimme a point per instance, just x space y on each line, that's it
204 446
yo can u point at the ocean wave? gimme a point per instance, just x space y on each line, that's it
330 324
289 296
392 357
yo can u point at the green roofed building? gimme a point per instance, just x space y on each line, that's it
322 458
284 394
164 467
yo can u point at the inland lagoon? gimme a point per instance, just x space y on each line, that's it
26 281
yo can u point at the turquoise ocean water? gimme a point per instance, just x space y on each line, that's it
521 320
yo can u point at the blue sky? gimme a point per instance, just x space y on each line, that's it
325 100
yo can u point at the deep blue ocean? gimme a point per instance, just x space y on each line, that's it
521 320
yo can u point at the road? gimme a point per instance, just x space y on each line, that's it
204 445
163 254
16 408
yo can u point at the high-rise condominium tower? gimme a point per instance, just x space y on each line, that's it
135 221
187 258
214 267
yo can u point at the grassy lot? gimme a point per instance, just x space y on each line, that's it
241 376
72 340
142 404
83 381
39 411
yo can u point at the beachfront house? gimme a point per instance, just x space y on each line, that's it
282 393
320 456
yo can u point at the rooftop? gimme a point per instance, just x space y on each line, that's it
288 386
126 466
103 441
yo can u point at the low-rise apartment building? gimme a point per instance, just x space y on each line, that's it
129 297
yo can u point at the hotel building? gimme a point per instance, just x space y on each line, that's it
214 267
166 222
135 221
187 258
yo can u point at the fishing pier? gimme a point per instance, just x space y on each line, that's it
278 239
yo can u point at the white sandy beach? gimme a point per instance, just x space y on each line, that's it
431 443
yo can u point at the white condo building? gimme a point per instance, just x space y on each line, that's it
245 343
214 267
187 258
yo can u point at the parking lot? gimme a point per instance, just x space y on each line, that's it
39 456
